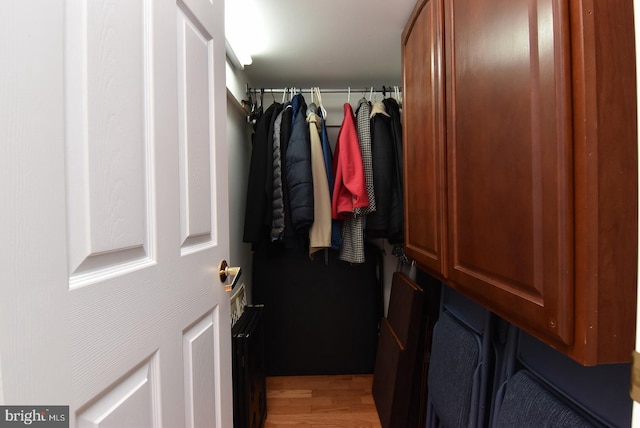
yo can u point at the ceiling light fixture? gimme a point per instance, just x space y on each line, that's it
237 41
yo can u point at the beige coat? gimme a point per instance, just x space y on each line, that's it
320 231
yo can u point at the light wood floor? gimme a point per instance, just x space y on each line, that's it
343 401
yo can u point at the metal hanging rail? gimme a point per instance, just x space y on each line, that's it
255 94
387 89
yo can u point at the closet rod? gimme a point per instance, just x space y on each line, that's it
389 89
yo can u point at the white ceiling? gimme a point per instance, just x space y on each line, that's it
326 43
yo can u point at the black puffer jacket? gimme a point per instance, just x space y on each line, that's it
298 169
268 184
290 240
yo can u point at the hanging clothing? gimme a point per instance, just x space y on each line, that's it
350 189
364 140
352 249
336 225
289 238
277 222
396 222
384 165
257 220
320 230
268 183
291 159
298 169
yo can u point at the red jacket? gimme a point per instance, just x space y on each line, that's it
350 188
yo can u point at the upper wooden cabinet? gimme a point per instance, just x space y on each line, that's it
425 156
521 163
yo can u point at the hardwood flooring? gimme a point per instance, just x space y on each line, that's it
343 401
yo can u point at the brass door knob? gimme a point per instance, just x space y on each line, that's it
225 271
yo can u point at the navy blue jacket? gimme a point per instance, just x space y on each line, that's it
298 169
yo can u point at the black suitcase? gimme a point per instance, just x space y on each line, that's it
249 382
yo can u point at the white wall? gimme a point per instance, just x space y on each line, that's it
239 148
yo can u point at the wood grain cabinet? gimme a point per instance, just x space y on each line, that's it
424 135
521 163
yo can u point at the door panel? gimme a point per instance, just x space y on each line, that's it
194 132
511 175
132 402
109 187
199 345
424 150
127 165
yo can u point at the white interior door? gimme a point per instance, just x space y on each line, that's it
115 211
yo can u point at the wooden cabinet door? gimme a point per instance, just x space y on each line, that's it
509 144
424 144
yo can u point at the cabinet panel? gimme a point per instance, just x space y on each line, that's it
510 159
606 168
521 163
424 153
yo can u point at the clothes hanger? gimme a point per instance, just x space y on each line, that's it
319 98
249 103
398 96
349 95
315 98
249 107
312 107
